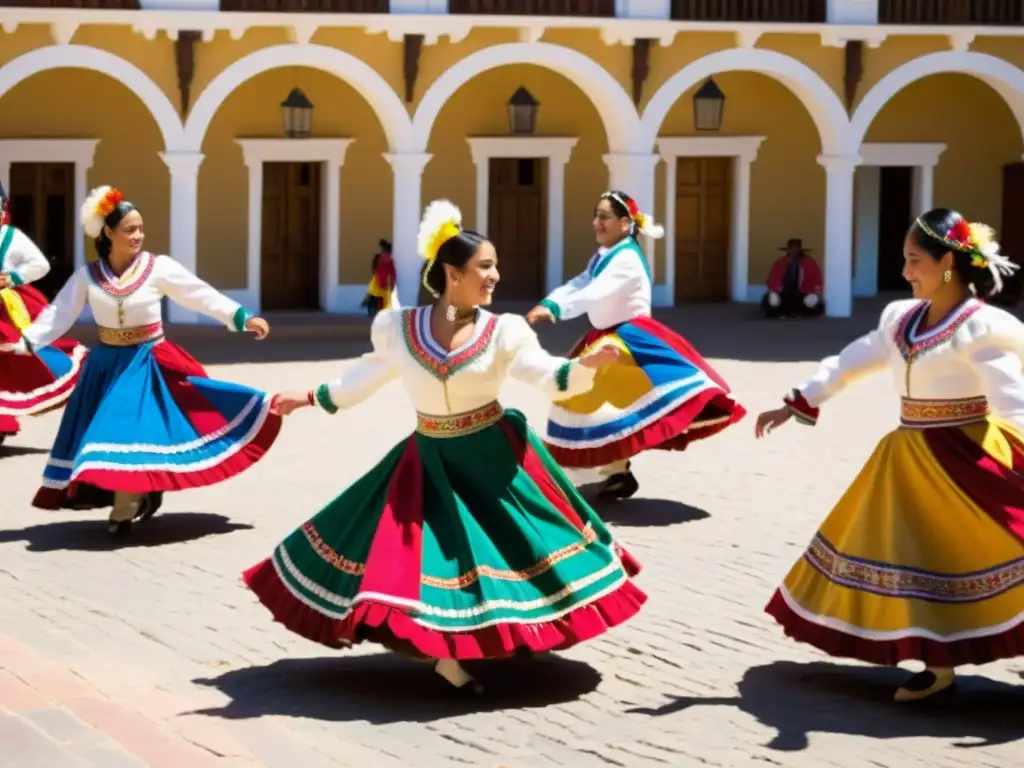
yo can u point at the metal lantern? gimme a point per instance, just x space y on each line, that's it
297 115
708 106
522 112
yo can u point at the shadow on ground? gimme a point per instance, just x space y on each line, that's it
645 513
799 699
387 688
9 450
92 535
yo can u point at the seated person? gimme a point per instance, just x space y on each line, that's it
794 284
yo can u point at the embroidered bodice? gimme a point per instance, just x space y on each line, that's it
20 258
463 380
614 288
131 300
976 351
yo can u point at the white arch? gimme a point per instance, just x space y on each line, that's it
86 57
621 122
1004 78
390 110
817 97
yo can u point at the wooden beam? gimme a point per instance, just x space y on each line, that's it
853 70
412 45
641 66
185 55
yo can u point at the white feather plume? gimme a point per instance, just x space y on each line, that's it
437 214
92 221
653 230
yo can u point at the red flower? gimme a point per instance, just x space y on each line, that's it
634 209
959 232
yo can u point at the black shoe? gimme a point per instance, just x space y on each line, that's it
621 485
120 529
470 688
149 506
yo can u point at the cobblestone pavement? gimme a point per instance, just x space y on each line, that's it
153 653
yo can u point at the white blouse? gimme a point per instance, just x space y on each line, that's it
23 262
131 300
975 351
614 288
443 383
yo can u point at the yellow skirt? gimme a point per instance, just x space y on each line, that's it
923 557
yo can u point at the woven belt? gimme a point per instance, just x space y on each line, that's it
922 414
459 424
130 337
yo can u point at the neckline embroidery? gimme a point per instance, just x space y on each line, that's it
134 277
434 358
913 343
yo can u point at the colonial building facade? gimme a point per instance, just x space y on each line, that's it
842 119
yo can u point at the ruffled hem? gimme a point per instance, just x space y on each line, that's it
135 481
496 641
981 650
50 396
672 432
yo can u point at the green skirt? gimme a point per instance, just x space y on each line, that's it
470 547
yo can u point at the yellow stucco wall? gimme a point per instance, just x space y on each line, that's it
980 132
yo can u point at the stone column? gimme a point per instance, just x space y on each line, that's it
838 251
408 208
184 167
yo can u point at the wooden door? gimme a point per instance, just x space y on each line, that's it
290 246
42 205
1011 236
703 206
516 224
896 191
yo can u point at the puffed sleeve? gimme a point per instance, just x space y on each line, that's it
557 377
187 290
24 262
625 271
371 372
868 354
997 358
55 320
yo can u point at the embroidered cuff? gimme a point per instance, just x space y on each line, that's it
562 376
323 399
801 409
16 279
240 319
553 308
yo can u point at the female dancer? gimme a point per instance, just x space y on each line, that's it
466 541
662 394
380 292
921 558
28 385
144 418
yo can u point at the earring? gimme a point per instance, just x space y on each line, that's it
449 314
947 275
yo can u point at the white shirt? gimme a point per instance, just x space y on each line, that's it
131 300
615 287
23 262
976 351
463 380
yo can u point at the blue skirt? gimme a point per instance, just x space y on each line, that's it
146 419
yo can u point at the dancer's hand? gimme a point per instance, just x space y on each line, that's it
539 314
258 326
769 420
286 402
5 280
606 355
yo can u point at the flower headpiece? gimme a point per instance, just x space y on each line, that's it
100 203
441 222
979 241
5 213
638 219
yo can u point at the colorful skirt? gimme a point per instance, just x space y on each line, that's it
465 546
662 395
923 557
32 384
146 419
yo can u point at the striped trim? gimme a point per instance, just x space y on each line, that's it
132 280
913 343
323 399
922 414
